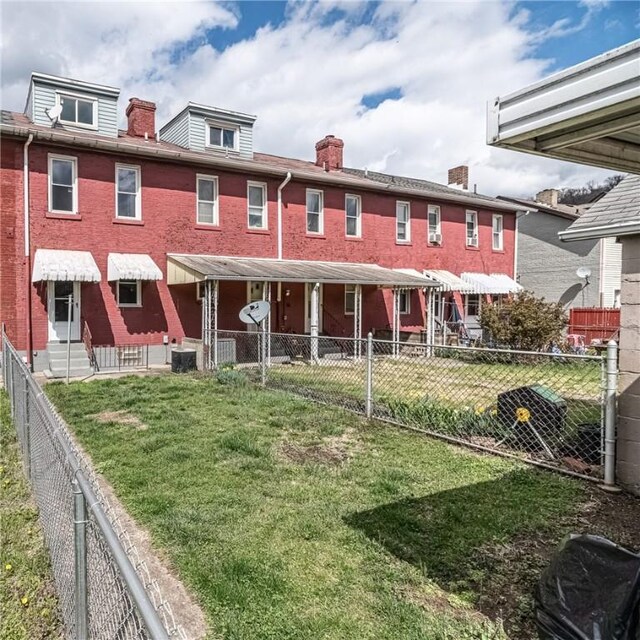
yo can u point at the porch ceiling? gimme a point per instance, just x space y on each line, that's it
183 268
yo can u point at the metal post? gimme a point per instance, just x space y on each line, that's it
315 288
369 386
214 292
69 312
395 327
262 337
610 417
357 321
266 295
27 427
80 547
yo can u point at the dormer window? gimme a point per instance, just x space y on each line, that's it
223 136
80 111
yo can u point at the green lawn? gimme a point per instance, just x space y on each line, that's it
28 604
299 521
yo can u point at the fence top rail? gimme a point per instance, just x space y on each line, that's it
137 591
304 336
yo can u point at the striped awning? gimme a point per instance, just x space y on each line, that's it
57 264
448 281
132 266
492 284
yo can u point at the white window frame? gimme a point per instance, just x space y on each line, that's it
320 213
349 290
358 218
407 296
499 234
265 211
84 98
74 161
138 302
437 230
216 198
400 204
471 216
223 125
200 290
138 207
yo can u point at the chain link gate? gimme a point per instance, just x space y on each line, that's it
104 588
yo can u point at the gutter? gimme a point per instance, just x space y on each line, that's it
27 247
630 228
248 166
280 188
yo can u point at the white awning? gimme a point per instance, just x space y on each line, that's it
55 264
449 281
132 266
496 283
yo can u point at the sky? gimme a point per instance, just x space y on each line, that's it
404 84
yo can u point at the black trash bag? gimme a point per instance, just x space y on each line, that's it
590 591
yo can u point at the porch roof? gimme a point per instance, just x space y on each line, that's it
132 266
185 268
449 281
57 264
495 283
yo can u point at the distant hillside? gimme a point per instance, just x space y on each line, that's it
589 192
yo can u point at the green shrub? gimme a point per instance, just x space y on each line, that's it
228 375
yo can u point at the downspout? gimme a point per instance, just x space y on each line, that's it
519 215
27 247
280 188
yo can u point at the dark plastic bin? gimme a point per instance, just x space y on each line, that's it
183 360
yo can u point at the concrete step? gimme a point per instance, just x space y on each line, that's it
61 363
61 347
76 372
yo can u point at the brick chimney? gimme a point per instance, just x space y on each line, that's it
141 116
548 197
329 153
459 177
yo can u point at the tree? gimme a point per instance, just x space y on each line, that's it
524 322
582 195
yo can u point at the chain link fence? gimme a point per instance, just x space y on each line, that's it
104 588
541 407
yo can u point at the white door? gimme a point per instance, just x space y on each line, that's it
58 304
307 308
255 292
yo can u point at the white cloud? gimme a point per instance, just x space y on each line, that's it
307 77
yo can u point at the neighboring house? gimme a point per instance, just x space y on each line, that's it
549 267
590 113
130 225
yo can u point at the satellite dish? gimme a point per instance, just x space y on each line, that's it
54 112
583 272
255 312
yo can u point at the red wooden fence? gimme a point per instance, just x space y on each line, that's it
595 323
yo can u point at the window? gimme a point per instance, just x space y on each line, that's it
128 192
353 211
403 222
497 233
404 301
473 304
63 196
129 293
315 211
472 229
257 205
349 299
435 233
207 210
78 110
223 136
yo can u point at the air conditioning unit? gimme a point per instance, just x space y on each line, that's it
473 241
435 238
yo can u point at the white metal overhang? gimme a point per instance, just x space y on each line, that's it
132 266
491 284
182 269
448 281
57 264
589 113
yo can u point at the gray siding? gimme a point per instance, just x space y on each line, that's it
547 266
610 270
198 134
44 97
177 132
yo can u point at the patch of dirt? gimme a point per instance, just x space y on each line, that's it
511 571
119 417
332 451
438 602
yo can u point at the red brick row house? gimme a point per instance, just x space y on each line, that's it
138 225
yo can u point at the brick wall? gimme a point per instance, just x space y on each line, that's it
168 225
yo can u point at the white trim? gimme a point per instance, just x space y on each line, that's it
474 240
138 194
407 222
215 201
352 292
632 227
265 216
138 302
432 234
217 124
74 162
320 213
58 331
358 218
85 98
494 218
